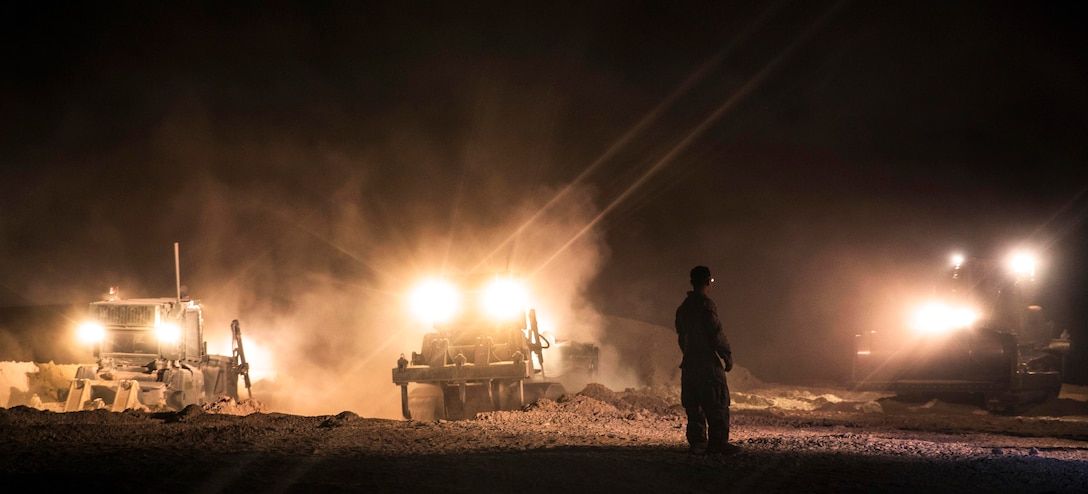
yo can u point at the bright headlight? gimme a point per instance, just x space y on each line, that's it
504 298
957 260
936 318
168 332
1023 264
435 301
90 332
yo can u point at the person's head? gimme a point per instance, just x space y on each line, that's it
701 278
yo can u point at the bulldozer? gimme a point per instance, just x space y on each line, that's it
485 355
151 354
983 338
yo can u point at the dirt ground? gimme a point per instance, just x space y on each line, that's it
793 439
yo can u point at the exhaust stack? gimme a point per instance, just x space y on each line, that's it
177 270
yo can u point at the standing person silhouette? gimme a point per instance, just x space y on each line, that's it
704 392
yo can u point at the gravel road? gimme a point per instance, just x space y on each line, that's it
597 440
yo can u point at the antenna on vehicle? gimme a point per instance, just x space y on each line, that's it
177 270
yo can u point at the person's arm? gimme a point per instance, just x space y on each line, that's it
720 343
679 324
723 349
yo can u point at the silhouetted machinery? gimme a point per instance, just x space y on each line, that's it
982 335
485 354
151 354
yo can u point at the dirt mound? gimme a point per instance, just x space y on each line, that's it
664 399
1058 407
51 376
229 406
741 379
661 400
340 419
601 392
21 382
20 415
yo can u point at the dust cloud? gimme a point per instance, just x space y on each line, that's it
311 237
322 304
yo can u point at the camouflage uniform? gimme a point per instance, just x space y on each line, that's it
703 389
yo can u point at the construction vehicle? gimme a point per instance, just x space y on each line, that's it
487 356
983 338
151 354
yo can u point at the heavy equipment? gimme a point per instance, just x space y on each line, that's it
484 355
982 337
151 354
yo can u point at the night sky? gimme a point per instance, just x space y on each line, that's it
314 159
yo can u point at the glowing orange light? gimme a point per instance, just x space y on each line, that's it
504 297
1023 264
168 332
90 333
937 318
435 300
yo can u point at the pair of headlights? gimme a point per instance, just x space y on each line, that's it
438 301
1019 263
92 332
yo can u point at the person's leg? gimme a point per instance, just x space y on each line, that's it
691 397
717 419
697 430
717 416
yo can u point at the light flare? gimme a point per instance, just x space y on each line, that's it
259 357
168 333
90 333
435 301
261 361
1023 264
957 260
939 318
504 298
